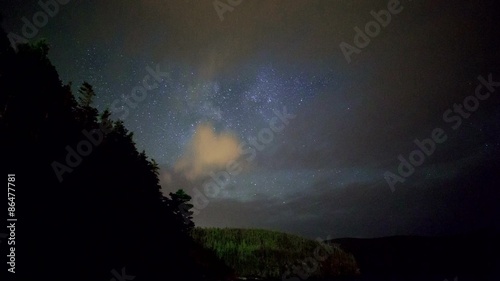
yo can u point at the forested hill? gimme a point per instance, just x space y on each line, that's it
270 254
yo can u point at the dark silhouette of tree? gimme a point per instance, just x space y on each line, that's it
181 209
88 202
87 113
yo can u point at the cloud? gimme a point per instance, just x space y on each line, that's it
207 151
191 33
367 210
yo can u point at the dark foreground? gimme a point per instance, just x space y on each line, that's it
472 257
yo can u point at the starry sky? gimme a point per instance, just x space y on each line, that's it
256 112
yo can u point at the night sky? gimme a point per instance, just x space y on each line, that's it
265 89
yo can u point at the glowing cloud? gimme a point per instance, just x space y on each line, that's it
207 151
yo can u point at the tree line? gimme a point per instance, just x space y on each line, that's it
80 220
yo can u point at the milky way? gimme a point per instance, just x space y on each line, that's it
323 173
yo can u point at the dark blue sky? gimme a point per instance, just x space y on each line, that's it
220 83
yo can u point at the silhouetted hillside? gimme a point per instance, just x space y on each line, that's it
472 256
89 204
